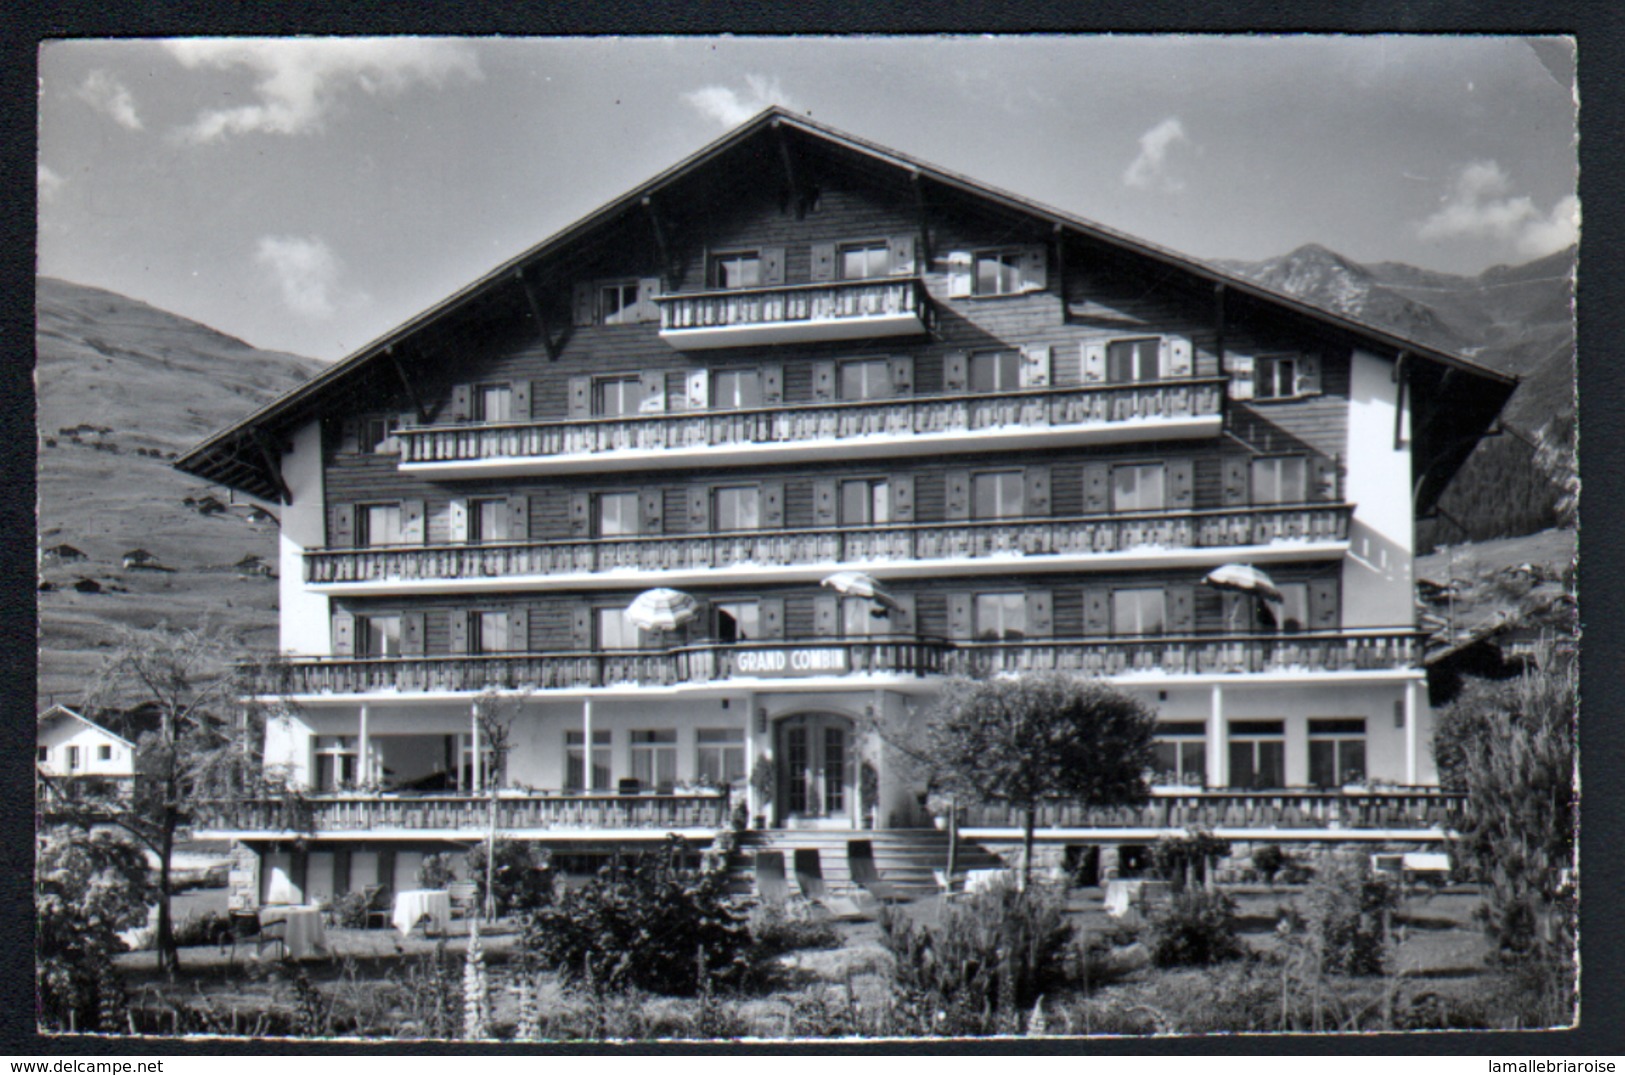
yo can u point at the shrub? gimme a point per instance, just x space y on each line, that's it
350 910
1269 860
436 871
1195 929
523 878
775 930
1345 916
207 928
644 928
1183 859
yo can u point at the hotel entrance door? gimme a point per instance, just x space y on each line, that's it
815 770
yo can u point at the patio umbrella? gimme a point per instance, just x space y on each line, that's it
661 610
858 584
1244 578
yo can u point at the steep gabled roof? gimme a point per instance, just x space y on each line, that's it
62 712
240 456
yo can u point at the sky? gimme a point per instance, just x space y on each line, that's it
310 194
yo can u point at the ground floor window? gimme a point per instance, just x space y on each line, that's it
575 761
337 761
1336 752
1181 748
1257 754
654 758
719 756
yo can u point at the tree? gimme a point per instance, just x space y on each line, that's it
1027 738
494 715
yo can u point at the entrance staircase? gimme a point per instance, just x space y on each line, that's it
904 858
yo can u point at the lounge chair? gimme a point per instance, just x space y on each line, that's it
465 896
771 886
380 906
810 879
860 860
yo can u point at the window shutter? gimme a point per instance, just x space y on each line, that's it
413 531
653 390
823 377
1040 614
648 308
1094 363
350 435
901 489
458 520
580 397
521 401
581 626
961 265
1235 477
956 371
1308 379
773 384
519 518
519 629
459 630
823 262
902 375
1323 613
1237 611
652 511
826 615
1325 478
1097 487
824 499
772 505
1035 268
341 526
1174 356
1181 475
414 634
958 495
462 402
580 514
772 260
343 634
1035 366
902 617
699 509
1035 492
1097 616
1181 609
902 255
959 616
582 303
699 390
770 613
1240 368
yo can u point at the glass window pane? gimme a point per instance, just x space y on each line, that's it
737 509
738 621
1001 616
1352 761
1138 488
864 262
995 371
1138 612
617 514
1193 762
615 631
855 503
1323 763
1272 763
739 270
997 496
382 636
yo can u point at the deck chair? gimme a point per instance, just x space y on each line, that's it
379 906
247 928
810 879
465 896
860 860
771 887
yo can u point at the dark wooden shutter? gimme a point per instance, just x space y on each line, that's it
1035 268
698 389
414 634
652 511
1235 472
1035 492
521 401
770 613
1097 611
823 378
1035 366
1097 488
519 518
1323 484
956 371
580 514
582 305
1237 612
1094 362
773 384
826 615
413 530
648 308
902 375
1181 609
772 262
961 623
457 520
699 509
343 634
957 498
1174 356
519 629
459 630
1323 610
653 390
581 639
1040 614
901 489
824 502
341 526
462 402
772 505
350 436
961 272
902 255
1181 484
902 617
580 401
823 262
1240 368
1308 379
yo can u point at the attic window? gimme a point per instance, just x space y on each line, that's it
378 434
865 261
493 403
998 272
741 269
618 302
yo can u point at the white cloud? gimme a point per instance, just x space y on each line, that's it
49 183
300 80
1149 169
730 108
1481 206
108 95
304 269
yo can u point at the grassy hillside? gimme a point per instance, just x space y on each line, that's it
121 388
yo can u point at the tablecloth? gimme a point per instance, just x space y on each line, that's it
302 931
413 904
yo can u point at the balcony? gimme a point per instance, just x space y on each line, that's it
1407 809
1039 418
1310 653
803 313
471 814
895 551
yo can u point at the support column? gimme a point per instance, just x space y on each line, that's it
1410 733
475 764
587 745
1218 775
364 745
751 805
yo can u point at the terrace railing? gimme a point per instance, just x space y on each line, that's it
515 810
1309 651
1404 809
808 307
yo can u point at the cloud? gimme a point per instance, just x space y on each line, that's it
304 269
301 80
108 95
1481 206
731 108
49 183
1149 169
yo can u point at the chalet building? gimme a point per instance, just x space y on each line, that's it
797 354
72 745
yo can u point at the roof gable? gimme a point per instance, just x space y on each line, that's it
62 712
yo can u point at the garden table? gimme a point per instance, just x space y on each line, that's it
413 904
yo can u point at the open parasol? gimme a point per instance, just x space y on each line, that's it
1244 578
858 584
662 610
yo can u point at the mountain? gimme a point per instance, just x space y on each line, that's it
123 388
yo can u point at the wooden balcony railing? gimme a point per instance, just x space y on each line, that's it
1073 406
831 545
1310 651
1409 808
515 810
795 304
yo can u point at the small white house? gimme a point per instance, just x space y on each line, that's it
71 745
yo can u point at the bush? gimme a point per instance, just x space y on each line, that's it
1345 916
436 871
1269 860
88 887
1183 859
523 878
775 930
645 927
210 927
350 910
1195 929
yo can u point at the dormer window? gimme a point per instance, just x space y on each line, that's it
492 403
741 269
998 272
865 261
1133 360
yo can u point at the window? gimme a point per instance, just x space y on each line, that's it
378 433
1181 749
489 777
1001 616
866 378
1138 488
615 631
1139 612
736 389
104 753
654 758
1291 613
865 261
865 502
73 759
995 371
1281 480
613 397
999 272
492 403
997 495
861 617
488 632
378 636
1257 754
378 524
1336 752
575 761
43 755
488 520
1275 376
617 514
1133 360
336 759
618 303
737 621
743 269
737 508
719 756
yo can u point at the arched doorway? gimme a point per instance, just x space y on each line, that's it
815 770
